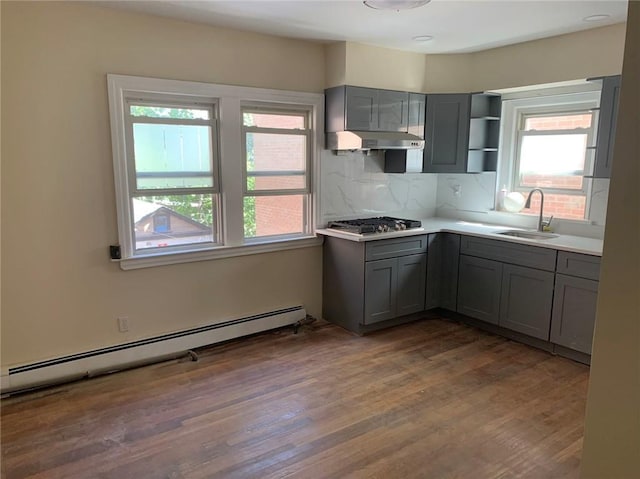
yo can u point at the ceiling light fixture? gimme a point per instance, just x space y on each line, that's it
395 4
596 18
422 38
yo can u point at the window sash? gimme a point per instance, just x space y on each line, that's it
135 192
297 111
305 192
522 133
133 174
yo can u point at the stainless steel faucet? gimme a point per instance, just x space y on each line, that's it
541 223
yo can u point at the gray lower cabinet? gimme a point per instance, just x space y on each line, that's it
575 300
507 284
368 283
442 271
479 288
394 287
526 300
412 272
574 312
380 290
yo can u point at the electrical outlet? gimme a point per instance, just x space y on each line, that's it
123 324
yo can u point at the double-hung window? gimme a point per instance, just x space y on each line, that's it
173 180
551 146
277 147
207 171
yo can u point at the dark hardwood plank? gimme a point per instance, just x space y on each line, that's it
432 398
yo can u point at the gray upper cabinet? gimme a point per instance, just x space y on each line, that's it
361 107
609 100
366 109
446 133
409 161
393 111
484 132
526 300
462 133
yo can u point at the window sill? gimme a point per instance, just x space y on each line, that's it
163 259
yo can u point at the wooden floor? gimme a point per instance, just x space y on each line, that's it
431 399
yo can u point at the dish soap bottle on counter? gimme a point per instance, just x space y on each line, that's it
501 195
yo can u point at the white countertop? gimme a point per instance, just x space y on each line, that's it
576 244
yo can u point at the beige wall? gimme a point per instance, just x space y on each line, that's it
589 53
612 430
335 57
60 292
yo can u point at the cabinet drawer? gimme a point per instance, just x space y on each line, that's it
523 255
391 248
580 265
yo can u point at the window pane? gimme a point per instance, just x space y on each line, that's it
161 221
168 112
270 120
275 152
553 154
172 156
273 215
560 206
276 182
560 122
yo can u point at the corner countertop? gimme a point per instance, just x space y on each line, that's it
575 244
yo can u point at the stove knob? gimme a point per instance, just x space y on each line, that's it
403 226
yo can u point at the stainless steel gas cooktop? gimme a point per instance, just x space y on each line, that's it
381 224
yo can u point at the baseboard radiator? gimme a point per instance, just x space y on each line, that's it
149 350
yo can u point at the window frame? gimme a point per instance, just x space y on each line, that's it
134 191
523 115
307 133
231 181
515 107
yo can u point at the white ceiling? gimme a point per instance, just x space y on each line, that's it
457 25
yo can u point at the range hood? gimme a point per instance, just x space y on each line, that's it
373 140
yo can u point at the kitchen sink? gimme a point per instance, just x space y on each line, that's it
536 235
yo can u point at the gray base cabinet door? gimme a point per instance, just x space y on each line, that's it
526 300
479 286
574 312
442 271
412 272
380 290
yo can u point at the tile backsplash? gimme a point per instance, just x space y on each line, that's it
471 197
353 185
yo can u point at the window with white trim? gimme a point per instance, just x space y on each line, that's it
172 165
205 171
276 168
550 144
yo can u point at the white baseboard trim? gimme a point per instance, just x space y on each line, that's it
112 358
